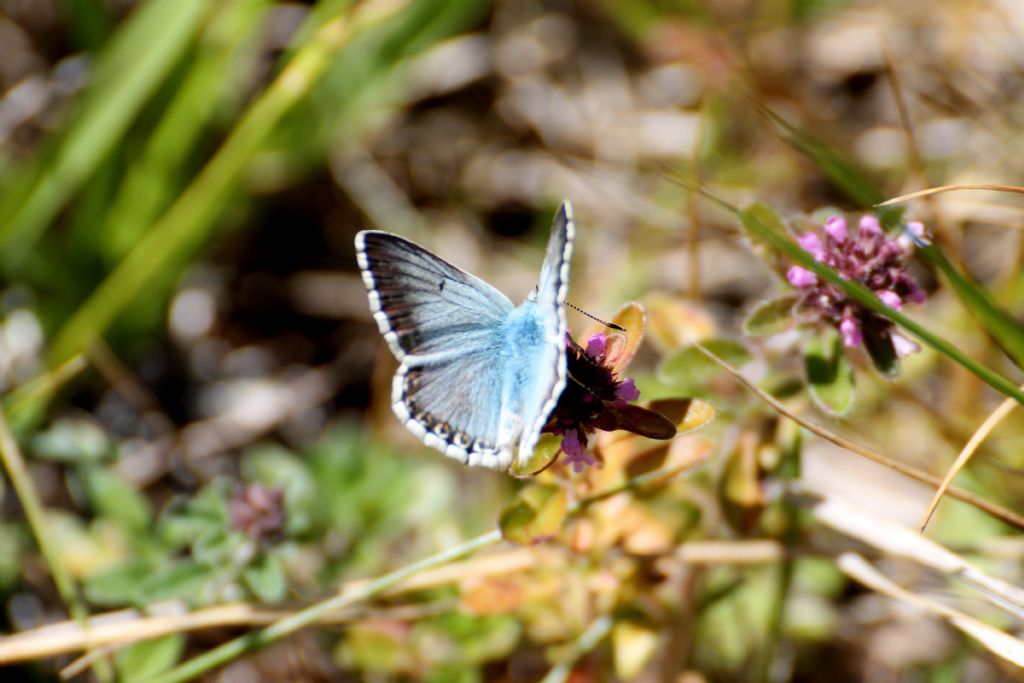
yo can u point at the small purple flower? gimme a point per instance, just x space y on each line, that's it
835 227
801 277
627 391
596 346
850 329
870 227
258 512
812 243
576 452
868 257
596 399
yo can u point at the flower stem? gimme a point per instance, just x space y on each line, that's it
586 642
21 479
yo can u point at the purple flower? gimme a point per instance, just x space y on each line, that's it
596 346
835 227
810 242
627 391
258 511
576 451
801 277
595 399
868 257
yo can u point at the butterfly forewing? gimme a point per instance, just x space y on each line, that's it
422 303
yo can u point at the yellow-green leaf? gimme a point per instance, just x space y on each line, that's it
537 513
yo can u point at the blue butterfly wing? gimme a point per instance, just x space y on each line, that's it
478 378
448 329
536 376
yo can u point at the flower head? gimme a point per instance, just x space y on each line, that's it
595 398
868 257
258 511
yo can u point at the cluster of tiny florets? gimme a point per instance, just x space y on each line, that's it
589 399
868 257
258 512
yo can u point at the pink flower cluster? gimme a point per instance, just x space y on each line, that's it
868 257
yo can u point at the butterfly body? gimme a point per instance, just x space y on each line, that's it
477 376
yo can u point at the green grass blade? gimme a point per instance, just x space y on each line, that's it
189 220
150 182
1007 332
139 58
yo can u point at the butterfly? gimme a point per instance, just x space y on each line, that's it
477 377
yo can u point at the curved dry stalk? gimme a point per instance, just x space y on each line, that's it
949 188
994 640
972 445
1000 513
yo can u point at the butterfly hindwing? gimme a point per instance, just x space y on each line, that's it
444 326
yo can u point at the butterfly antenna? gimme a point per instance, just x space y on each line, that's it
594 317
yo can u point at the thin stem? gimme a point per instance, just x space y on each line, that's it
258 639
996 511
972 445
21 479
586 642
949 188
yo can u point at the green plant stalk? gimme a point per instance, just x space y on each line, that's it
867 298
21 479
187 220
295 622
1008 333
26 402
587 641
150 180
125 79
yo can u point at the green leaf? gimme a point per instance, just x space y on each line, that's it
378 647
463 639
12 550
142 661
115 499
265 578
72 441
829 374
537 513
185 520
690 372
136 60
547 450
176 579
218 547
117 585
770 317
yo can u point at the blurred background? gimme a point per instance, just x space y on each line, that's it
189 365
